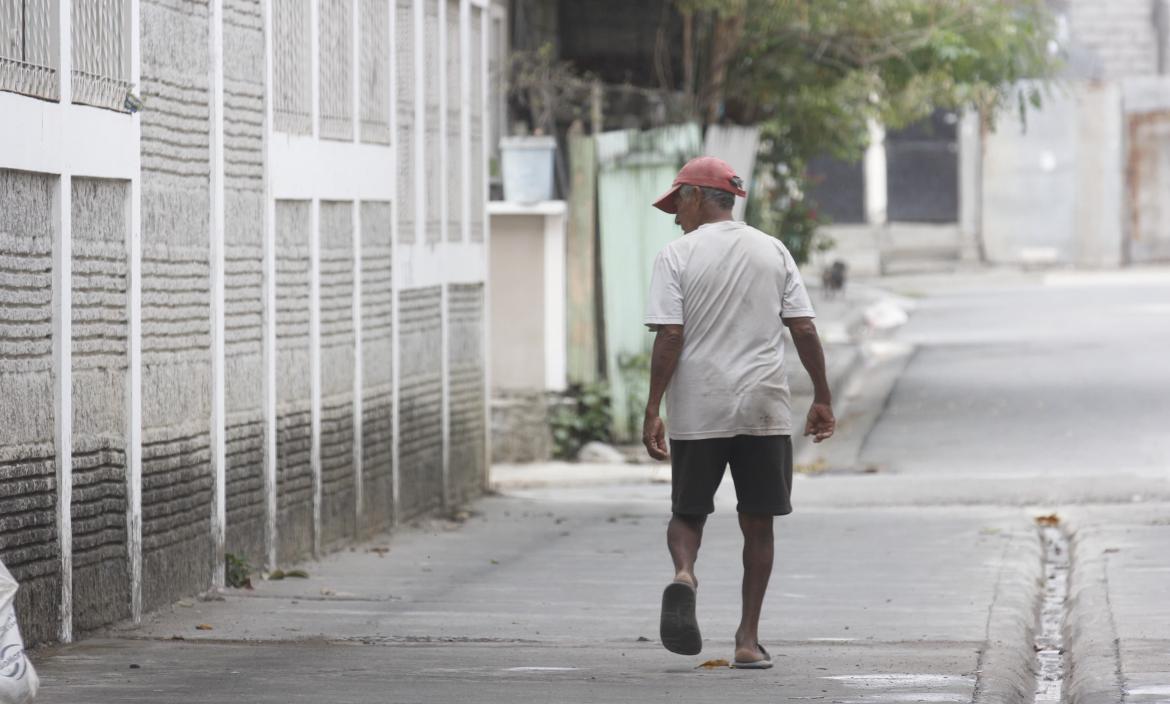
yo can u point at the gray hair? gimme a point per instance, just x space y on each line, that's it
723 199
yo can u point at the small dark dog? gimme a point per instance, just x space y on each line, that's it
833 279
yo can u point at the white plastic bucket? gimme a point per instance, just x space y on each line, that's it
527 164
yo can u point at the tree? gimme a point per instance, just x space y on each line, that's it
814 73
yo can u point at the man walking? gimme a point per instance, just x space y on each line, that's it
720 297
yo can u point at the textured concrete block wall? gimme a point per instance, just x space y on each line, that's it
243 63
377 365
338 484
432 135
465 320
454 184
176 320
420 396
335 91
292 98
1119 36
404 103
29 541
374 79
294 471
101 570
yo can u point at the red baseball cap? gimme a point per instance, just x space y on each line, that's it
701 171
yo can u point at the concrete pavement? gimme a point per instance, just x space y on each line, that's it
911 570
531 593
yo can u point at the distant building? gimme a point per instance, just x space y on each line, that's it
1084 181
243 254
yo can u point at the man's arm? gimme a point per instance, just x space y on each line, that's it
668 345
821 423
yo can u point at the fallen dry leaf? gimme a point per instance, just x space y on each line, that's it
817 467
1048 520
203 627
713 664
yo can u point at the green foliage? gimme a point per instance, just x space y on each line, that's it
635 371
237 572
585 416
814 73
783 211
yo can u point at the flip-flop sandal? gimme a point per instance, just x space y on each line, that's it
679 629
754 664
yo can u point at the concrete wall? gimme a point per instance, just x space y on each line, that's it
29 537
176 299
244 210
420 401
101 567
294 433
517 258
338 485
377 317
243 320
467 374
1053 190
1113 39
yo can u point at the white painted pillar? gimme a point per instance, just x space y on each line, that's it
970 185
63 337
465 118
315 366
444 151
485 144
134 342
218 409
447 250
420 122
876 198
358 489
270 537
555 325
355 76
395 251
315 285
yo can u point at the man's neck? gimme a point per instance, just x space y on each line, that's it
723 216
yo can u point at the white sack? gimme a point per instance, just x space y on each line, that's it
18 679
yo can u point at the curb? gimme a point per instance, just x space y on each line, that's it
1007 663
837 386
1093 663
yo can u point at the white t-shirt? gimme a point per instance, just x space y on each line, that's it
728 285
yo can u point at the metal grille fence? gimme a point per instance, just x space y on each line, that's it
101 55
28 63
292 81
336 87
375 67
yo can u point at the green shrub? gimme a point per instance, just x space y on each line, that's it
584 416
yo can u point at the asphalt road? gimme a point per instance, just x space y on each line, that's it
1054 376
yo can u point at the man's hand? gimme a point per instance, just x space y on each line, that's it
654 437
821 422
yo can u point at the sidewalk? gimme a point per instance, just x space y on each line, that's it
530 594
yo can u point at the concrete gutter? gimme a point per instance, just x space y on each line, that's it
1007 662
1093 662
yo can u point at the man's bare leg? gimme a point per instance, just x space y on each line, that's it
757 568
683 537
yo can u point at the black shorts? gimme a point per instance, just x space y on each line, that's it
761 467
